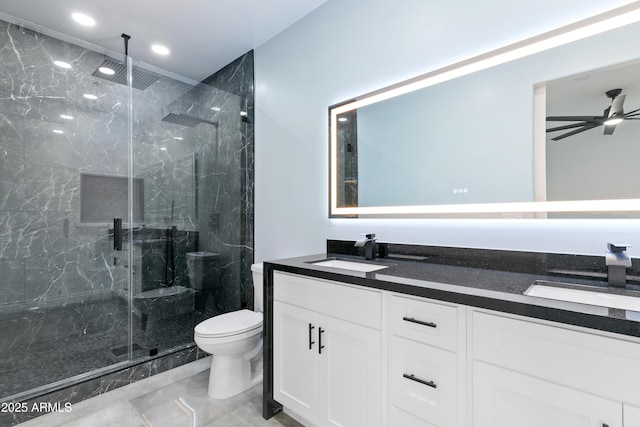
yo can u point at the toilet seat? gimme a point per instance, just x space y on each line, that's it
229 324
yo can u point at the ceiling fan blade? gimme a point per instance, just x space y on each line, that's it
634 112
575 125
574 132
616 105
574 118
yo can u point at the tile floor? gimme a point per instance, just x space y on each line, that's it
174 398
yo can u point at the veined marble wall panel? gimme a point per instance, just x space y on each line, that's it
224 176
220 214
12 273
233 91
48 256
61 260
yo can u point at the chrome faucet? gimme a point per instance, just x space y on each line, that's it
369 244
617 261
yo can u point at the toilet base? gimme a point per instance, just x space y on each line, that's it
230 376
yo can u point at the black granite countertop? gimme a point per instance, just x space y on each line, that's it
487 279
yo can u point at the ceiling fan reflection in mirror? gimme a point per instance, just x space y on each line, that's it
611 117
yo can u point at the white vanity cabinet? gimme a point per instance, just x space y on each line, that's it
328 351
532 373
631 415
505 398
353 356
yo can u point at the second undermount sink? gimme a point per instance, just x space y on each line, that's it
626 300
349 265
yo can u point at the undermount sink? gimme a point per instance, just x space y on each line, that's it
349 265
587 295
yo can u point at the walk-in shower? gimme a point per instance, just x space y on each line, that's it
170 157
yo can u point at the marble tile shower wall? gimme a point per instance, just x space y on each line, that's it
212 158
47 257
232 231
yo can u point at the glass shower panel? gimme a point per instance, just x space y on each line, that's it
64 161
189 254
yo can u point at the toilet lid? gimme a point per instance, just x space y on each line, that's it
233 323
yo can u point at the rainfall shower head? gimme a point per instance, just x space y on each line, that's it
141 79
186 120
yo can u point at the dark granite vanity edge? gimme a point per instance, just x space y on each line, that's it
485 285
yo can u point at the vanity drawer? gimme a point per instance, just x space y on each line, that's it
348 302
425 321
423 381
574 358
399 417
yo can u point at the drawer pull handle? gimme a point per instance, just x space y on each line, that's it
320 346
311 342
419 380
420 322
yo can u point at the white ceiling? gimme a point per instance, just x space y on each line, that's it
203 35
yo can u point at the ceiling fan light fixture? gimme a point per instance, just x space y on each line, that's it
614 120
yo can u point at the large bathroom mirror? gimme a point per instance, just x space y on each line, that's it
477 138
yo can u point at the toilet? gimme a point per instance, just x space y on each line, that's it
235 341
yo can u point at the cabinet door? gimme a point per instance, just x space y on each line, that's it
350 374
631 416
295 365
504 398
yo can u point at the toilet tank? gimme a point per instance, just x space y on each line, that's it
258 289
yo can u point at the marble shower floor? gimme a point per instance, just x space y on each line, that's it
173 398
27 367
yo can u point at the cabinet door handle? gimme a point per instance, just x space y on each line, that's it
420 322
421 381
311 342
320 346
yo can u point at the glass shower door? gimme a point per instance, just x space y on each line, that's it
64 177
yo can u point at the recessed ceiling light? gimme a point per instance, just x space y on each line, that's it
66 117
58 131
215 108
83 19
163 148
179 138
160 50
62 64
106 70
90 96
